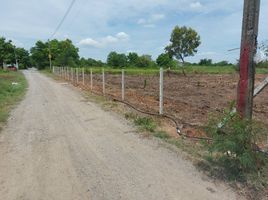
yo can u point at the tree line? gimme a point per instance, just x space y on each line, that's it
184 42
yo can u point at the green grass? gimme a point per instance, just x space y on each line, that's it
10 94
154 71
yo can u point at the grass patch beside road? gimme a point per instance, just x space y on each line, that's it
10 93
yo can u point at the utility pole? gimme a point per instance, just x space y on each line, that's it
16 59
49 55
247 53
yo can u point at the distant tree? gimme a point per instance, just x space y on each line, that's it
90 62
145 61
133 58
223 63
63 53
23 58
183 43
7 50
164 60
205 62
39 55
117 60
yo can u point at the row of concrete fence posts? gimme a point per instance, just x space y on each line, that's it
68 73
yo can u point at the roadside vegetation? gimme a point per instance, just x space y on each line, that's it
12 88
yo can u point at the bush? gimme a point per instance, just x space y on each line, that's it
234 147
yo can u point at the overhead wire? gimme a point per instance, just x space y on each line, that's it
63 19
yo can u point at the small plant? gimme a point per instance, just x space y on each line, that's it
145 123
162 135
234 147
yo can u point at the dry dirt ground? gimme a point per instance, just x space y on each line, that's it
57 146
190 98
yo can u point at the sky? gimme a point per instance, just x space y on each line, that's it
98 27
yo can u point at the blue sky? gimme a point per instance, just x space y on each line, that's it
143 26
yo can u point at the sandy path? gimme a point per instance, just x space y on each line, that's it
57 146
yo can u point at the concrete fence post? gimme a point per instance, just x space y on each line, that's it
91 80
77 78
83 75
161 91
103 82
123 84
72 74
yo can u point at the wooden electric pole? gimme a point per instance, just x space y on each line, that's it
247 53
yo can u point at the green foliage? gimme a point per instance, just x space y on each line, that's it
183 43
133 59
90 62
205 62
39 55
145 123
145 61
9 53
164 60
117 60
234 147
23 58
6 51
63 53
262 64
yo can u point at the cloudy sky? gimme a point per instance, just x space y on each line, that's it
143 26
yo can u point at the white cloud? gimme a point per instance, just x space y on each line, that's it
104 42
196 5
122 36
90 43
150 22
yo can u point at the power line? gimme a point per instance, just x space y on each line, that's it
63 19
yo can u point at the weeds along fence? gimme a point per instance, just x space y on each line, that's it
190 99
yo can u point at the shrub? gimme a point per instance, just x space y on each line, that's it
234 147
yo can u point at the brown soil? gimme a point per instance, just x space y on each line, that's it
190 99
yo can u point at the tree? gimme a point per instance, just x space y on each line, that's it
63 53
164 60
23 58
7 51
39 55
117 60
145 61
183 43
133 58
205 62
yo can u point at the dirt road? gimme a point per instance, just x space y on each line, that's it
57 146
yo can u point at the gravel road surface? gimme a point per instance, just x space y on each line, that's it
58 146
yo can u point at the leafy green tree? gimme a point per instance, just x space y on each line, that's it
23 58
117 60
67 54
39 55
7 53
63 53
183 43
90 62
205 62
145 61
164 60
133 58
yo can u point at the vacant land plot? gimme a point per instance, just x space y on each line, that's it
191 99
